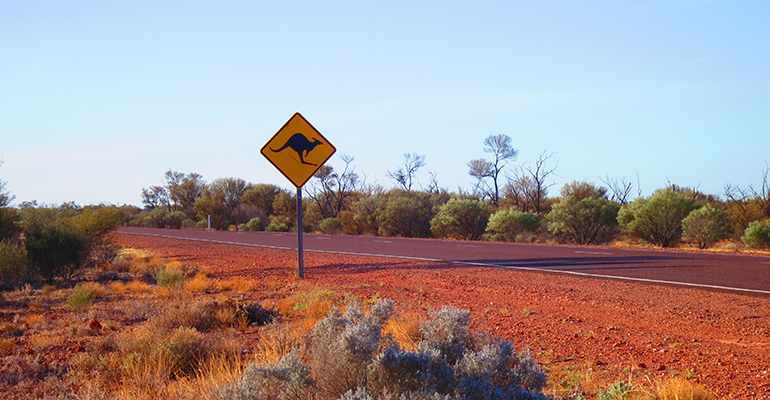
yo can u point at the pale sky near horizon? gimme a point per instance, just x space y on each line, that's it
99 99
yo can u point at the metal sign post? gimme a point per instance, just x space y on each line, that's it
300 248
298 150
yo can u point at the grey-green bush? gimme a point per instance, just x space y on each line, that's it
706 226
288 379
512 224
461 219
757 235
348 357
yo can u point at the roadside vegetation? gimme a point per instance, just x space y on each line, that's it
82 318
508 202
142 327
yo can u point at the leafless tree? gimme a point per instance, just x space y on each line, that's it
620 189
433 186
528 186
759 196
330 189
404 176
502 150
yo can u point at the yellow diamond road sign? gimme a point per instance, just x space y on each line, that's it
298 150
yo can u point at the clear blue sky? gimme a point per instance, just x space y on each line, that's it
99 98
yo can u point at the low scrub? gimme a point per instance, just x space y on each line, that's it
757 235
348 355
513 225
171 276
83 295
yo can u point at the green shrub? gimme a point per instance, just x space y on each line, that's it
14 270
331 226
406 215
155 218
56 252
757 235
255 224
189 224
658 219
618 391
94 222
9 229
461 219
81 297
277 227
512 225
706 226
173 220
590 220
213 206
170 276
202 224
243 228
365 216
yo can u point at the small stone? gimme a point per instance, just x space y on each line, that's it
94 325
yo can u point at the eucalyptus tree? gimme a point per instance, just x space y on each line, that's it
502 151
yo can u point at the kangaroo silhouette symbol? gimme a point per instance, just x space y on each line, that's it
301 145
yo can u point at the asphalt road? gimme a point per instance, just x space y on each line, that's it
724 272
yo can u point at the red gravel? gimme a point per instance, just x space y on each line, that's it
606 330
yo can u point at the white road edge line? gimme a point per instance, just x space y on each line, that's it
555 271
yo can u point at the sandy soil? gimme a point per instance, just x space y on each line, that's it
587 330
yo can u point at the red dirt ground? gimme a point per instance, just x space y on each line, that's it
595 331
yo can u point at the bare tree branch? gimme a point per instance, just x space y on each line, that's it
404 176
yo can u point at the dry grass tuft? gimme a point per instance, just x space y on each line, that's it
33 319
237 285
118 288
277 340
405 328
137 286
199 283
96 289
679 388
6 347
158 263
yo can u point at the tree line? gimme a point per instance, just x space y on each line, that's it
506 203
